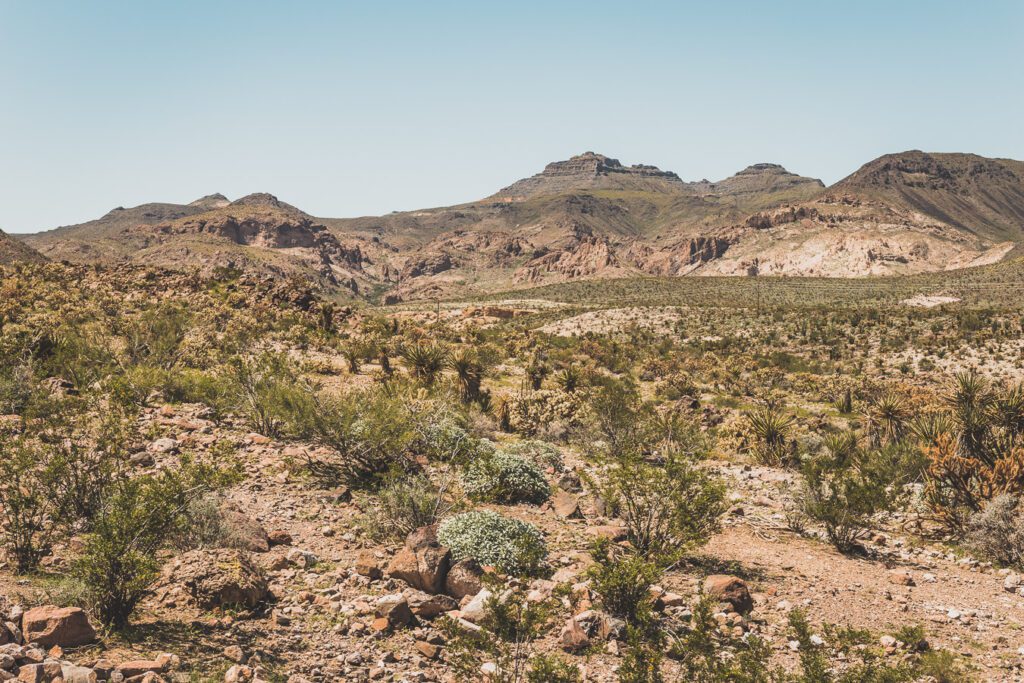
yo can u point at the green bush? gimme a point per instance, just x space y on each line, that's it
27 504
669 507
505 478
404 505
507 631
139 516
622 582
372 435
513 546
844 487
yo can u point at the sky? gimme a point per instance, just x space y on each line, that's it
361 108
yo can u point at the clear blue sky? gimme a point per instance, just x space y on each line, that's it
345 108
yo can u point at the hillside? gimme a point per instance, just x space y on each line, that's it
257 232
13 251
901 213
591 216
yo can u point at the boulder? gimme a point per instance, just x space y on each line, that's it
394 609
220 577
367 565
422 563
566 505
464 579
246 532
729 589
573 637
426 606
50 625
77 674
475 610
139 667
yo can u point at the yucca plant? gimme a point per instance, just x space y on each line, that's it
569 378
469 373
353 351
536 371
426 361
887 420
770 427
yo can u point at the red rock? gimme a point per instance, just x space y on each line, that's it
64 626
428 650
730 589
138 667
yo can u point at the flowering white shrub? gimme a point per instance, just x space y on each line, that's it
502 477
513 546
540 453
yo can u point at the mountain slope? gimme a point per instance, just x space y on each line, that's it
14 251
901 213
257 232
590 216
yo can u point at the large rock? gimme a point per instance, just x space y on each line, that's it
77 674
464 579
246 533
395 609
50 625
422 563
221 577
729 589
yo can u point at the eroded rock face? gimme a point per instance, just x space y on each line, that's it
50 625
215 578
431 264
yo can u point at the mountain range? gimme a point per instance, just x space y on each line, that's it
589 216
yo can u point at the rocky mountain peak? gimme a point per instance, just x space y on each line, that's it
593 164
260 199
764 168
211 201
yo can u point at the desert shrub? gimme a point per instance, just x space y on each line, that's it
190 385
507 631
372 436
848 655
155 336
138 517
700 650
87 451
406 504
997 531
622 582
540 453
549 668
17 385
511 545
670 506
265 389
442 434
26 502
502 477
843 488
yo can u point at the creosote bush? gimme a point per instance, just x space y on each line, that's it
406 504
509 544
